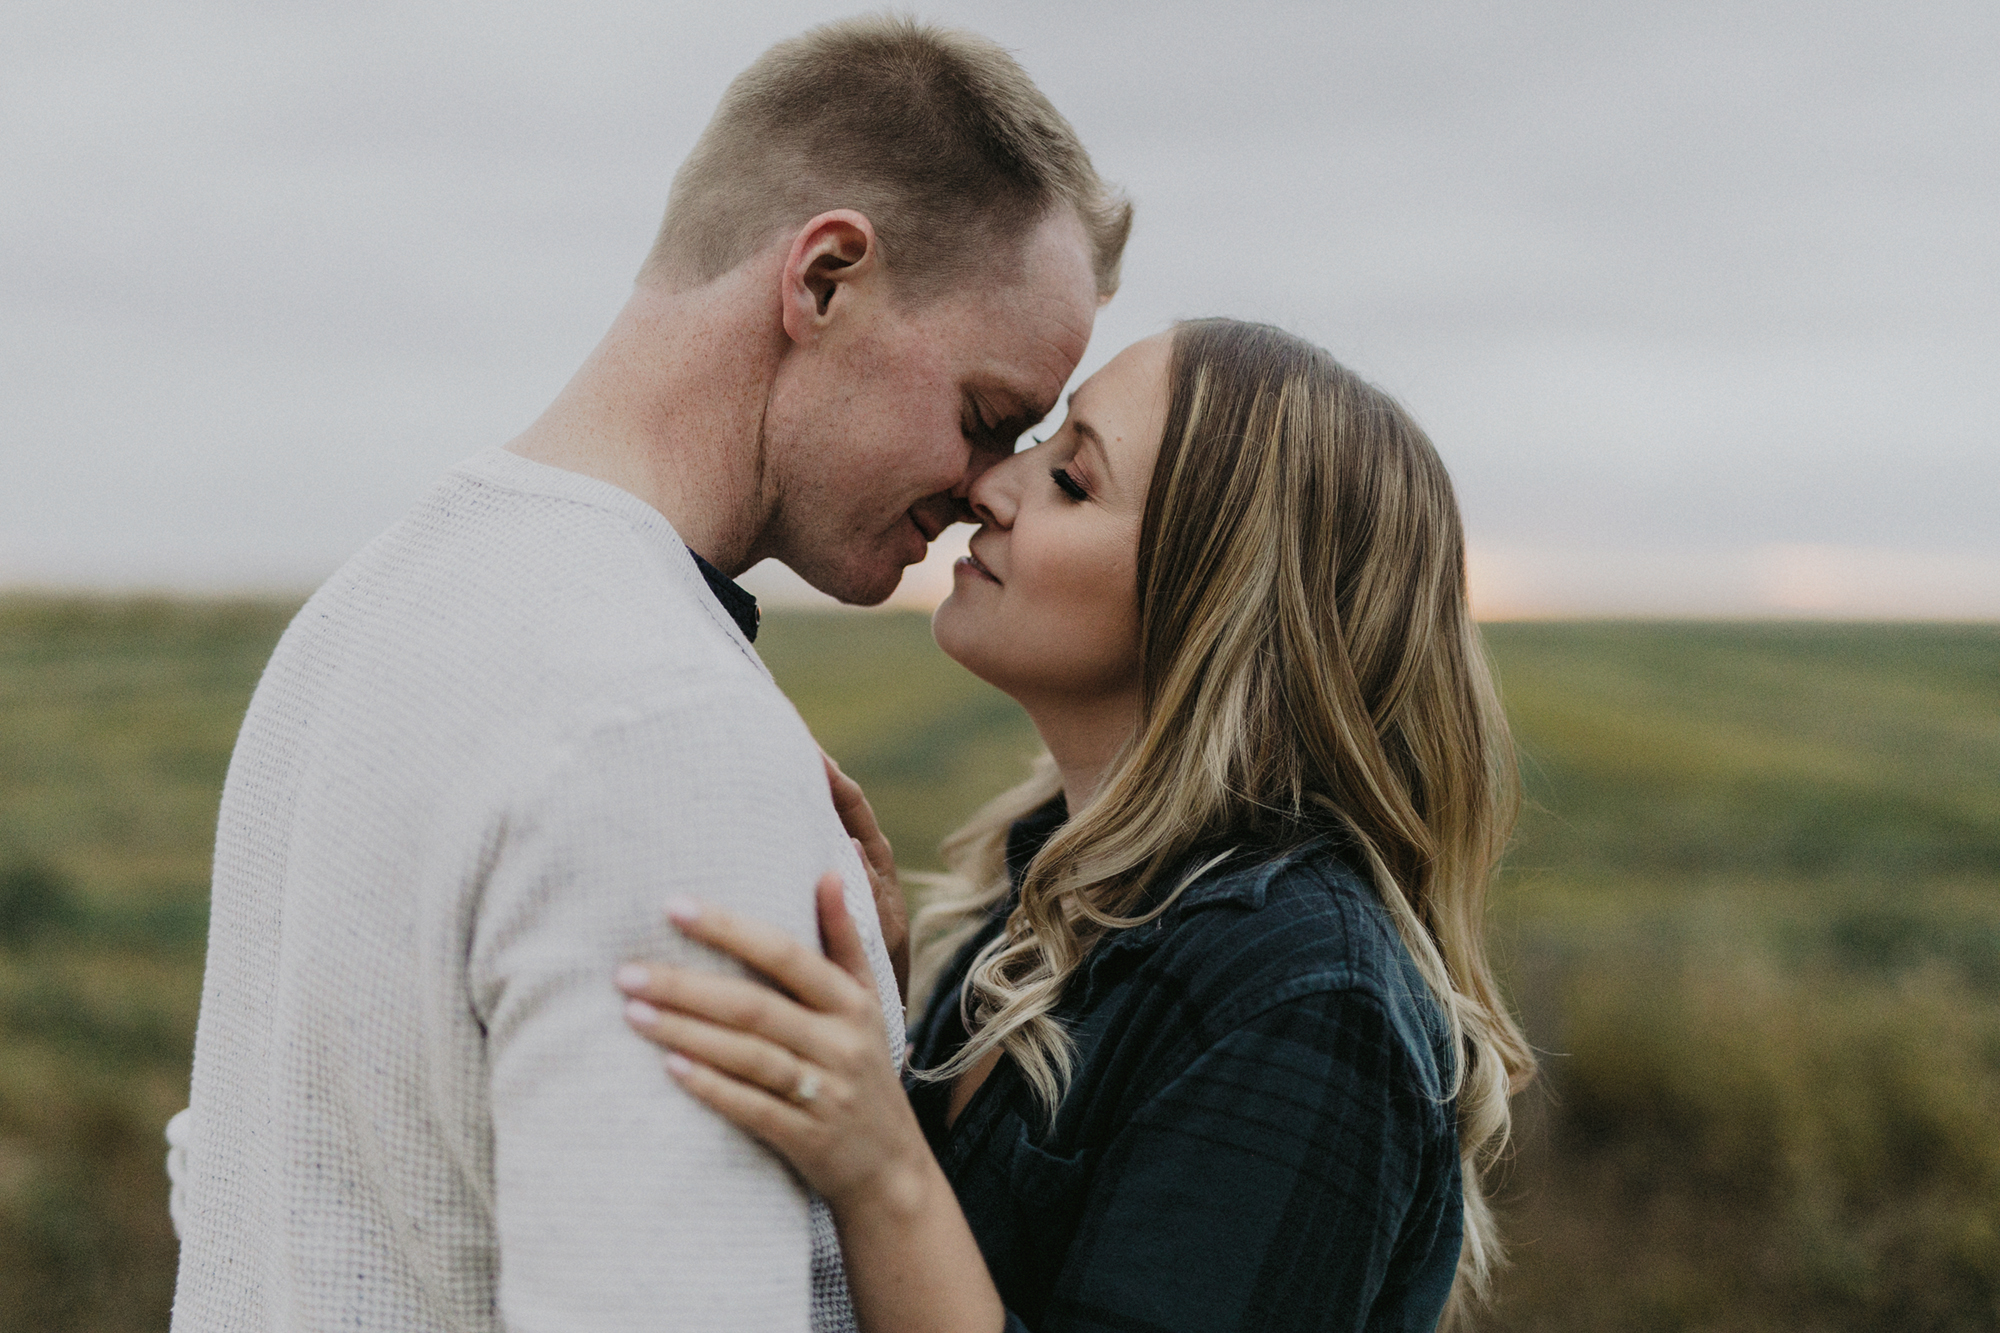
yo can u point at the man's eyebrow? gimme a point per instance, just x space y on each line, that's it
1017 413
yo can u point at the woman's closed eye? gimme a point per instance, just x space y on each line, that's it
1068 484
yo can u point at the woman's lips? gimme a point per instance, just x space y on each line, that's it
971 562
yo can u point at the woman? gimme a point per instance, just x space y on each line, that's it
1214 1042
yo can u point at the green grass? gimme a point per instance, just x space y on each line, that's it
116 721
1786 750
1753 917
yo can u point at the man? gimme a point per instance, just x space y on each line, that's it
493 745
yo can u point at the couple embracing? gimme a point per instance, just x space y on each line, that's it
557 982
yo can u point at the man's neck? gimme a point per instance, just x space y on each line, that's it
669 408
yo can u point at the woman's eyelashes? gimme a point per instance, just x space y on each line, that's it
1068 484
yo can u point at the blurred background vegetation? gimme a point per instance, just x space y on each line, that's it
1752 919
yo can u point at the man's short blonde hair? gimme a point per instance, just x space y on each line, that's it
938 137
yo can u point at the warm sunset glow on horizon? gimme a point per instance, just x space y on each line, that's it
1516 583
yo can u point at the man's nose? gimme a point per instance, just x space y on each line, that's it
935 513
954 505
982 461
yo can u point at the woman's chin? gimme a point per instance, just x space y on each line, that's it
955 630
948 627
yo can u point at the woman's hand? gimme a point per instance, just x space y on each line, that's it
807 1071
858 818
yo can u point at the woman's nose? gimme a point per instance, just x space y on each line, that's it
997 492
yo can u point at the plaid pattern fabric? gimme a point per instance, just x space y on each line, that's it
1256 1136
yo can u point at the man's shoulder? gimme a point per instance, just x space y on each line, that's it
556 543
506 620
552 572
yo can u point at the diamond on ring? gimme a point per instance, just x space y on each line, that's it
808 1087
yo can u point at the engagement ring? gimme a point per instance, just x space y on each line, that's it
808 1087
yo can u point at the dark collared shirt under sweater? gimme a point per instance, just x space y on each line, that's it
1256 1135
735 598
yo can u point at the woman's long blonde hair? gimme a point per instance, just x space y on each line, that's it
1310 665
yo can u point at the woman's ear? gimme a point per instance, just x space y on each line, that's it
830 252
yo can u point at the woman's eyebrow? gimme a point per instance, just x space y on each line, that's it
1087 433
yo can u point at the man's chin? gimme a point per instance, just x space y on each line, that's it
868 585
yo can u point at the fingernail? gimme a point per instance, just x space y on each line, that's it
677 1064
632 976
640 1013
682 911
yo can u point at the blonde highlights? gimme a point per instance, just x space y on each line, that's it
938 137
1310 667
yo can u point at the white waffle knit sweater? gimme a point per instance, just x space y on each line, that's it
480 759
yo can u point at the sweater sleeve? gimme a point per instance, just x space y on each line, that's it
621 1203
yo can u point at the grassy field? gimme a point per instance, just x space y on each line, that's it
1753 916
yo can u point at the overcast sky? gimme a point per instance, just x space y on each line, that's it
1700 302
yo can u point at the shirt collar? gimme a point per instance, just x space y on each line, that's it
735 599
1234 877
1030 832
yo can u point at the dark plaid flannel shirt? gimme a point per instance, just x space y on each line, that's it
1256 1134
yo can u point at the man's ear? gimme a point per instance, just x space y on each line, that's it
828 253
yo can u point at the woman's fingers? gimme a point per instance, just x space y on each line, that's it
848 799
893 914
776 1121
815 1084
836 930
817 983
742 1056
858 818
732 1002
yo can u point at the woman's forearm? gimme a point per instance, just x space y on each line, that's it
912 1264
